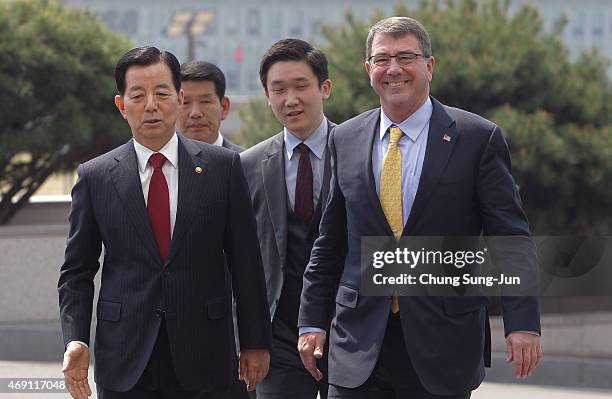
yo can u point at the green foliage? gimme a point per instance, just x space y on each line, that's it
56 91
556 113
564 172
258 121
487 58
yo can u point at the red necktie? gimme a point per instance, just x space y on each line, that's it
304 207
158 205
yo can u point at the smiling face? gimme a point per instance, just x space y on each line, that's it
402 89
150 104
295 96
202 111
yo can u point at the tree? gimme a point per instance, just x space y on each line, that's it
56 91
556 114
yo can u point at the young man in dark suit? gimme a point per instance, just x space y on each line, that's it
288 176
412 167
173 214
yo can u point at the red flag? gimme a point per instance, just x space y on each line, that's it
238 54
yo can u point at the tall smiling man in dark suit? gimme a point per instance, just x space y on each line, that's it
288 176
412 167
168 211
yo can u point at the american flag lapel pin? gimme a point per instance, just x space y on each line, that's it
446 137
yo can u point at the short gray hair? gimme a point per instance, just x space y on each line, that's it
399 27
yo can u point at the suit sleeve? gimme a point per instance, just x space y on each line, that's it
245 264
506 230
81 263
322 275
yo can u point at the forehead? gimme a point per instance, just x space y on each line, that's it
286 71
383 43
148 75
198 88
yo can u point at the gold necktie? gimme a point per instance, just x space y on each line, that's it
391 192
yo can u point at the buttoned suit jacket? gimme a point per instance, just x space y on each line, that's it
214 222
465 189
265 173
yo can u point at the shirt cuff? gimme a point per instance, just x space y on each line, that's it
79 343
528 332
304 330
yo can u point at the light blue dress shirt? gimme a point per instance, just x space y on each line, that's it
412 146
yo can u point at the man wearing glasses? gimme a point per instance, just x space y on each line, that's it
413 167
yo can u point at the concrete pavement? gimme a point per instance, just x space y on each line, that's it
14 369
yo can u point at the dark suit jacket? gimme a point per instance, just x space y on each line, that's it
264 169
214 221
231 146
465 189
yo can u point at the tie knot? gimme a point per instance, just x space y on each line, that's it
157 160
303 148
396 133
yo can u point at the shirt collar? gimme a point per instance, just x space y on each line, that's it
169 150
316 142
219 140
411 126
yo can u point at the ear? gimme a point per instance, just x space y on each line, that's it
326 89
267 93
368 67
431 64
181 97
225 107
120 105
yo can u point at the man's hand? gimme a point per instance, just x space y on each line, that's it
253 366
310 346
76 364
525 351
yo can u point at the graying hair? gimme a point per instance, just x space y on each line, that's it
399 27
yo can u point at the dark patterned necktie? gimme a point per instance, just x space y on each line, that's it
158 205
304 207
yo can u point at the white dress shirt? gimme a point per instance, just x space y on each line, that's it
219 140
170 169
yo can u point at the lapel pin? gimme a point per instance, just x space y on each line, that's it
198 169
446 137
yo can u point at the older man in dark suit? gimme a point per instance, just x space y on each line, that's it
412 167
169 212
205 104
204 107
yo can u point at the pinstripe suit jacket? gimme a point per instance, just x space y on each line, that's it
214 222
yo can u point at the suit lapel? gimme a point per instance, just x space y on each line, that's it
190 184
273 173
125 177
326 170
371 128
436 157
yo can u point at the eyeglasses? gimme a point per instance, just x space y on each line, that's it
403 59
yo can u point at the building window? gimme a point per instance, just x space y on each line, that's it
253 22
579 23
232 26
232 77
